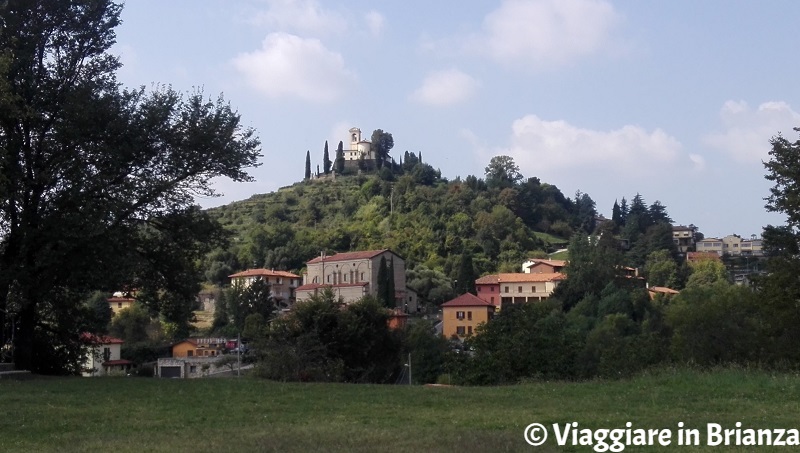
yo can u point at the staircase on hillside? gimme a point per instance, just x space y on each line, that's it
7 371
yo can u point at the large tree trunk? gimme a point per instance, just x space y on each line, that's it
23 341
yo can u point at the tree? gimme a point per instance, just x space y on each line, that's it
707 273
781 285
130 324
658 213
616 215
585 213
385 290
100 313
502 172
382 144
308 165
246 301
326 160
339 158
661 269
98 183
465 283
390 287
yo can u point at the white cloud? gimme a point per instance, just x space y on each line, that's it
698 161
306 16
544 147
445 88
747 132
287 65
375 22
546 32
340 131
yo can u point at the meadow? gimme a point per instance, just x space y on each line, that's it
249 414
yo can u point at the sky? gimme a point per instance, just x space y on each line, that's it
674 100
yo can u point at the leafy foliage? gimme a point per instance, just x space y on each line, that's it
322 341
97 183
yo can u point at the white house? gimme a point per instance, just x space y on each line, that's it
103 356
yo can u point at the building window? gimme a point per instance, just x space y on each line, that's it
506 289
189 353
492 299
492 288
329 278
533 289
519 289
459 315
362 277
460 331
193 369
106 354
480 289
469 330
469 316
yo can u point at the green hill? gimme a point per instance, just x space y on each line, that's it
410 209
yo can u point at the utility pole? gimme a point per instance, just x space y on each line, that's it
410 382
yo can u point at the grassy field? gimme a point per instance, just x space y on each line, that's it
231 415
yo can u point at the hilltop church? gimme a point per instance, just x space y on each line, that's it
358 147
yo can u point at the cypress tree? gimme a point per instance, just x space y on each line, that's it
383 274
326 160
390 299
340 158
308 165
466 274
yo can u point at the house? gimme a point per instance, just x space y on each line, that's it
512 288
103 356
119 303
654 291
353 275
282 284
192 358
710 245
462 315
734 245
684 237
542 266
199 347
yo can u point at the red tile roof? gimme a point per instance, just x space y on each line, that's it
348 256
663 290
117 362
554 263
698 256
263 273
467 300
311 286
121 299
519 278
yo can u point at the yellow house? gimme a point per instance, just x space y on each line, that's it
462 315
118 304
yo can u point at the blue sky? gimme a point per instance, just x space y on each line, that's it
675 100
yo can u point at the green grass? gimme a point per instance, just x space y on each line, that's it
549 238
563 255
231 415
